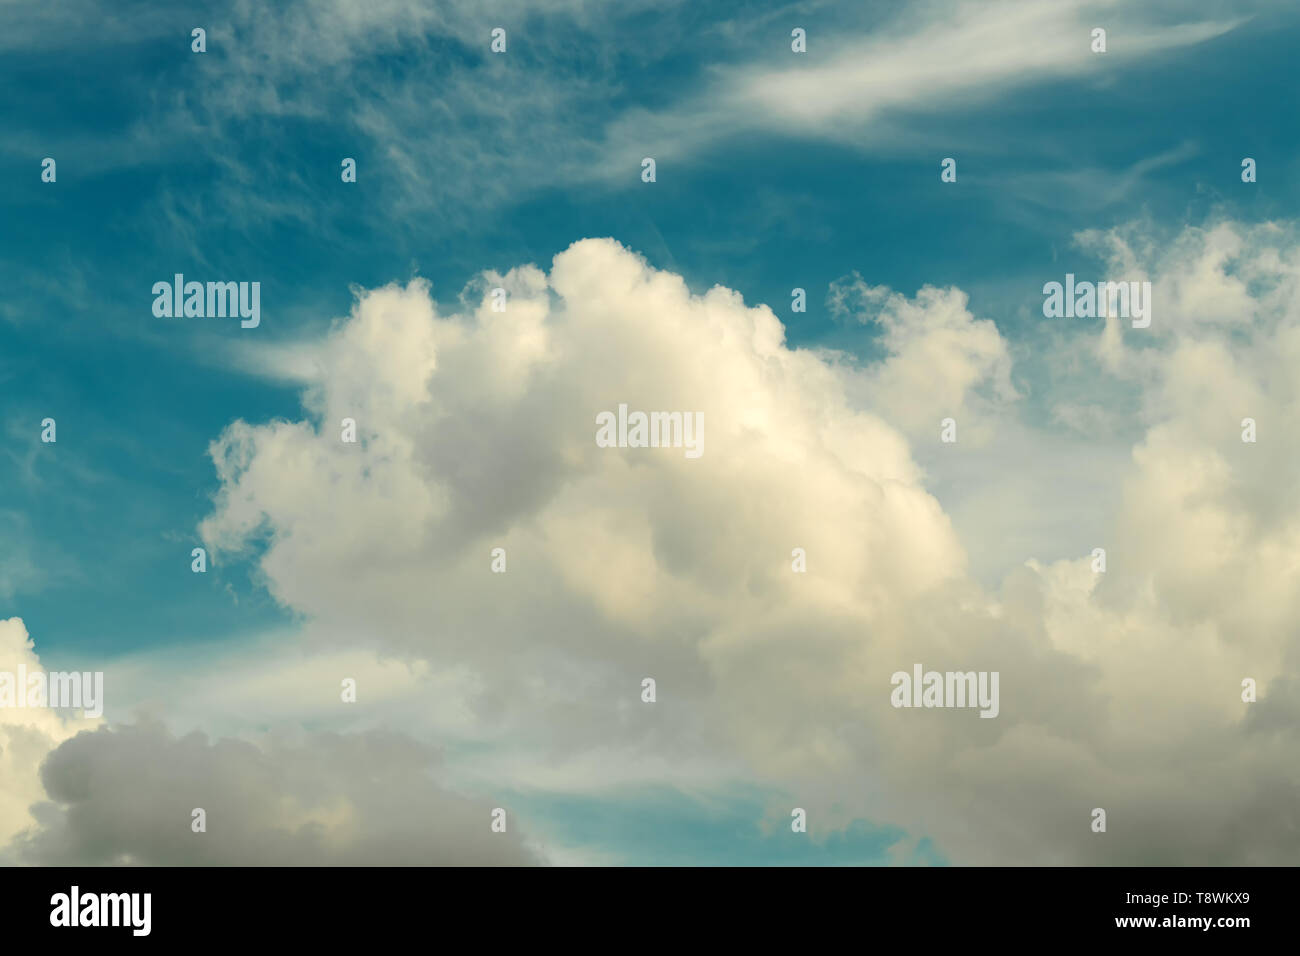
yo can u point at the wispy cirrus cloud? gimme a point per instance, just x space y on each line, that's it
875 90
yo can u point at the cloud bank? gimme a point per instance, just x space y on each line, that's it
1119 690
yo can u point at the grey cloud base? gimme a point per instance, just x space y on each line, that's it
125 795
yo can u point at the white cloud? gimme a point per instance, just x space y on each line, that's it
479 432
940 360
1120 691
623 564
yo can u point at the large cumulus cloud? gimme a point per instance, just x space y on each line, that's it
1119 690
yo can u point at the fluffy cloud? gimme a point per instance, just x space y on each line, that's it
478 432
1118 690
938 358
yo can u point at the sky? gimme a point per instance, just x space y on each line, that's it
775 170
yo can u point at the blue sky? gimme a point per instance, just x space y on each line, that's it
225 165
759 214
